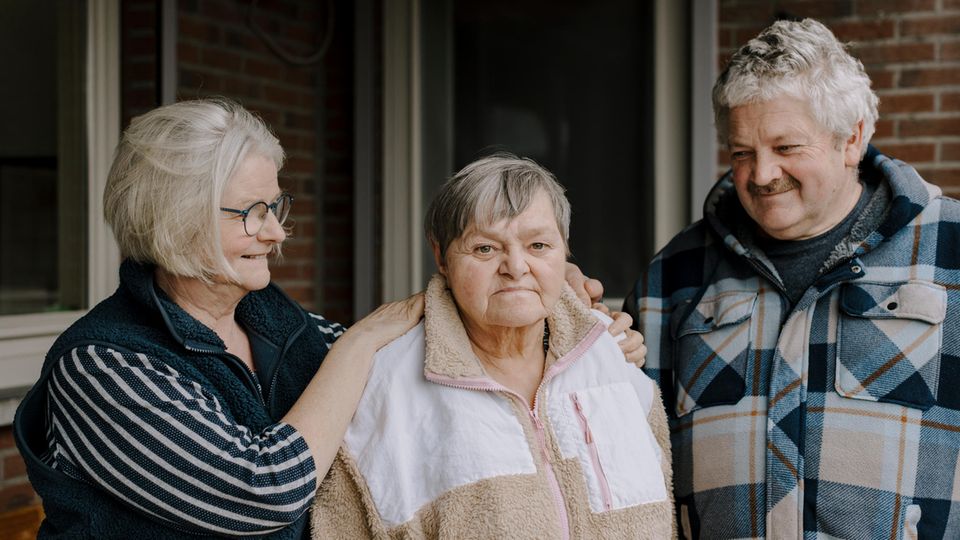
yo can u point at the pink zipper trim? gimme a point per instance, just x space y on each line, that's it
488 385
605 494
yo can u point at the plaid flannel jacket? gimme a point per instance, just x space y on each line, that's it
838 418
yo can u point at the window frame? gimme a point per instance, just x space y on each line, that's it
24 339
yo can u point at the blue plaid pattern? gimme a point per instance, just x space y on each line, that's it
838 418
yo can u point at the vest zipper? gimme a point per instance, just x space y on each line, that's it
250 376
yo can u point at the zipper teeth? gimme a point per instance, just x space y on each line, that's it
541 438
605 495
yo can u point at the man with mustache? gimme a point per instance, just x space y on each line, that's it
806 332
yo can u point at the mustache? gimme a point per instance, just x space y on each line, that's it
784 183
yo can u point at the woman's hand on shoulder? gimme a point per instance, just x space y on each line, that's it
388 322
630 340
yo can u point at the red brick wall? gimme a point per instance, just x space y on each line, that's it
219 54
15 490
910 48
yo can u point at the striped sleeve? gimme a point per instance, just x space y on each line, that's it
329 330
159 442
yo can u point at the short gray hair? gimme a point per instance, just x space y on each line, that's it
169 172
802 59
488 190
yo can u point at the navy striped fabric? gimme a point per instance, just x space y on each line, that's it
157 440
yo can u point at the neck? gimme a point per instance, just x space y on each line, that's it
498 344
213 304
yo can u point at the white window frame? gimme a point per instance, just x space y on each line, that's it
24 339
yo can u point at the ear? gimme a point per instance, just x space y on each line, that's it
438 259
853 146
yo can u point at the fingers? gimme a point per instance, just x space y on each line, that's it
576 280
633 348
621 322
594 289
601 307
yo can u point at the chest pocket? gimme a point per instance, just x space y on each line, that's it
888 342
713 342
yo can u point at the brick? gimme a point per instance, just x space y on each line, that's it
881 78
863 30
302 165
187 53
297 120
818 9
951 4
6 437
14 467
941 177
930 77
871 8
222 11
930 127
950 102
266 70
911 153
757 12
950 152
894 53
949 25
17 496
884 128
222 59
905 103
199 29
950 51
742 35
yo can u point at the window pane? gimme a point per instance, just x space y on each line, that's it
42 157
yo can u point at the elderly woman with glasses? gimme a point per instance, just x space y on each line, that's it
198 399
509 412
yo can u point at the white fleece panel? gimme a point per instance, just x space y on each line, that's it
414 440
615 397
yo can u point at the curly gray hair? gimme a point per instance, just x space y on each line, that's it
804 60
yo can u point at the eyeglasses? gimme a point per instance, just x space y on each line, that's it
256 214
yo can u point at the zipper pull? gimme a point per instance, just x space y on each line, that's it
586 426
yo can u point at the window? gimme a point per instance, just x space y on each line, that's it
60 125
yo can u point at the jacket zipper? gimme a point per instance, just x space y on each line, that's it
488 386
594 455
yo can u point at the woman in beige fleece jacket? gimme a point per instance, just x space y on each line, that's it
509 412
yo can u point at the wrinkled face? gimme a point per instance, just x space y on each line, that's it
254 181
509 274
791 176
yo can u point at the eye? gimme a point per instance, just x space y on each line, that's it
538 246
739 155
784 148
483 249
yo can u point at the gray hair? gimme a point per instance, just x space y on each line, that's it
169 172
802 60
489 190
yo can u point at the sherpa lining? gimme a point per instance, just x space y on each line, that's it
448 350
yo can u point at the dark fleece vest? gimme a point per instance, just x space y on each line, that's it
140 318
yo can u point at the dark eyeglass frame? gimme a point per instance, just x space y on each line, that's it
271 207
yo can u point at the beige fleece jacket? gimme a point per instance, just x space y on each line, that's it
438 449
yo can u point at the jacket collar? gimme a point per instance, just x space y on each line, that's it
269 311
448 351
900 196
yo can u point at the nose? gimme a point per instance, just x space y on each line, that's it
766 168
514 263
272 231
